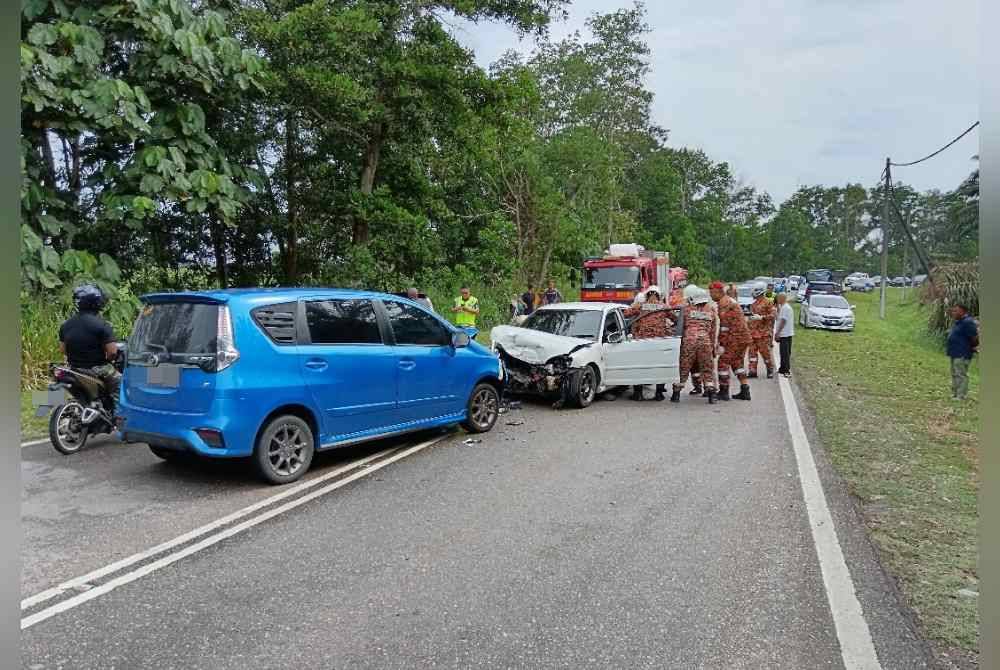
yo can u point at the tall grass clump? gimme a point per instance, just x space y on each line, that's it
954 283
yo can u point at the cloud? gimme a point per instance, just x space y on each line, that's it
797 93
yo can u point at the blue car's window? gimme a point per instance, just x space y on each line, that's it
342 322
413 326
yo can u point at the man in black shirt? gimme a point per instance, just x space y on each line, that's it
528 298
88 341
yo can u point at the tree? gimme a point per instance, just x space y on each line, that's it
114 124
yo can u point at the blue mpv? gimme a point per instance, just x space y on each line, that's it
277 374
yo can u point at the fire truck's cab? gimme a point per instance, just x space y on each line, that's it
624 272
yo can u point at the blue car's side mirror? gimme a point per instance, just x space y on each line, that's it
460 339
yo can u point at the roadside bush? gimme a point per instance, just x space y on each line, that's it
953 283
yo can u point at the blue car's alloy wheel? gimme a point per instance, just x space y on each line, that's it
483 409
285 449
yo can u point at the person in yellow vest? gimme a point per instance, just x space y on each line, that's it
466 309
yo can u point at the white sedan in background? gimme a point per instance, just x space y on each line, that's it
575 350
827 311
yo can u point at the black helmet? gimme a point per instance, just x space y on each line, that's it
89 298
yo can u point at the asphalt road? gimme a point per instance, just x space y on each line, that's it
626 535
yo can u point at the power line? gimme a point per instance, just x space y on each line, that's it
968 130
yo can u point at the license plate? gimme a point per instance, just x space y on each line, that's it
168 376
44 401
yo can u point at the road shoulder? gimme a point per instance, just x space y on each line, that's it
893 625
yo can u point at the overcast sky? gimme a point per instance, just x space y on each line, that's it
803 93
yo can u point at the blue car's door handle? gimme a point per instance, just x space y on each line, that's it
407 365
316 364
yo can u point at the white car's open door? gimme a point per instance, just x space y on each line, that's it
648 361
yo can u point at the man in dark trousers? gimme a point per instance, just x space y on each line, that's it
963 341
783 332
528 298
88 341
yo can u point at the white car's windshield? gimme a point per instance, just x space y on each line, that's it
834 301
744 291
584 324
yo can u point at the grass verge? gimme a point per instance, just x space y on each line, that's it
882 401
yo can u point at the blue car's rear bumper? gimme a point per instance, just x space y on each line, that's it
176 431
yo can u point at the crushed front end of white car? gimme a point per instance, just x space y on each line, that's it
540 363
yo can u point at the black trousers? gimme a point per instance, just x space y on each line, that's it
785 354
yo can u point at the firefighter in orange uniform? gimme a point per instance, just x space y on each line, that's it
734 338
761 321
652 318
698 345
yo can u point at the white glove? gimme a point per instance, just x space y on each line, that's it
722 350
756 317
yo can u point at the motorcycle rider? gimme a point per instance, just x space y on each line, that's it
87 341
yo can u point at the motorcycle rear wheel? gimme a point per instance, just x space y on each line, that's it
66 430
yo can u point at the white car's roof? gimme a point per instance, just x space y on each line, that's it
584 306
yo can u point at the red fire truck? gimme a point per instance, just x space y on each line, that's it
623 272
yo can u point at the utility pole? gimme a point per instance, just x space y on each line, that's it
885 240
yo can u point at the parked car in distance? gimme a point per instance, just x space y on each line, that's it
831 312
821 287
877 280
278 374
800 295
899 281
744 296
793 282
862 286
919 280
574 351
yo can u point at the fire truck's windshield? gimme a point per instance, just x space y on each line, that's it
612 277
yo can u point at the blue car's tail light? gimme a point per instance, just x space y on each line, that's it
227 353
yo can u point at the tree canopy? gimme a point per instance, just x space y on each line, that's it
357 142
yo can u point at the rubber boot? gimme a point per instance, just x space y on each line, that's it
723 393
770 373
711 397
696 390
659 393
704 393
676 395
636 393
753 374
744 393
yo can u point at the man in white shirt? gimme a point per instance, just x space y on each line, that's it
784 328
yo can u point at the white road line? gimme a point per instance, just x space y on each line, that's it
76 582
33 443
149 568
856 647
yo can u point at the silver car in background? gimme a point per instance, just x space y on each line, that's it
827 311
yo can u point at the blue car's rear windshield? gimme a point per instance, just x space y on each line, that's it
175 329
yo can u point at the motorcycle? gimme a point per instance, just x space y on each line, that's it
80 406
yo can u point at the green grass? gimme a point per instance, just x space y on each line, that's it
882 400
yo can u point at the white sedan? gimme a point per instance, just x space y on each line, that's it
831 312
577 350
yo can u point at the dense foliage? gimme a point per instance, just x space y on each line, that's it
174 144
